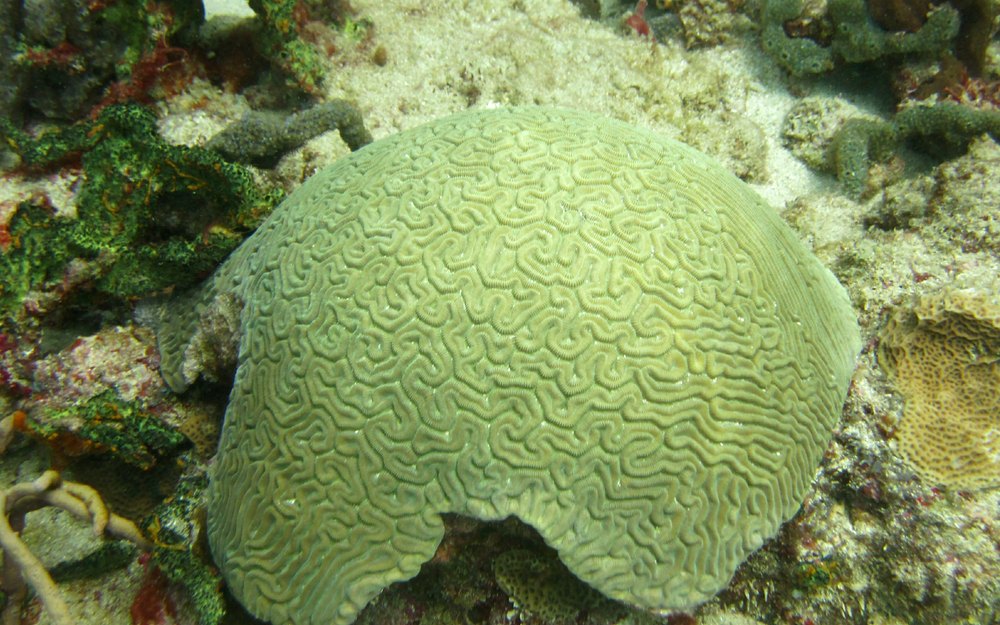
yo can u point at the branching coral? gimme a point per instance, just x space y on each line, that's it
20 565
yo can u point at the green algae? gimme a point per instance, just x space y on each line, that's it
176 527
106 423
35 254
281 43
203 584
150 215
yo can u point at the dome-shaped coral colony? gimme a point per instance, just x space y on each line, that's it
530 312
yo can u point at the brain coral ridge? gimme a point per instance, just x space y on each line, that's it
527 311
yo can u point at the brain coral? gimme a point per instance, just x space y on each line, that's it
530 312
944 357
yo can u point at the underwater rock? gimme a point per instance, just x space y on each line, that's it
150 215
810 127
12 87
71 51
942 130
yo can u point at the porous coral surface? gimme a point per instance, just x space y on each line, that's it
530 312
944 357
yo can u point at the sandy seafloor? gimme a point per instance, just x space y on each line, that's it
730 101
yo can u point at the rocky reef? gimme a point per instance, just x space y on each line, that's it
871 127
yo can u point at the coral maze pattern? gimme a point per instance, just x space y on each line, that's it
525 312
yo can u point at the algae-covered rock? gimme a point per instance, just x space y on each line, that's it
825 136
811 126
150 215
538 582
521 312
742 148
709 22
965 198
70 52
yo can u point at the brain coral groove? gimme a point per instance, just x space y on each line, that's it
530 312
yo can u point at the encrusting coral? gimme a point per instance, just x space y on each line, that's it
943 355
521 312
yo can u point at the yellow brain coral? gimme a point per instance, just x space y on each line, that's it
944 357
531 312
